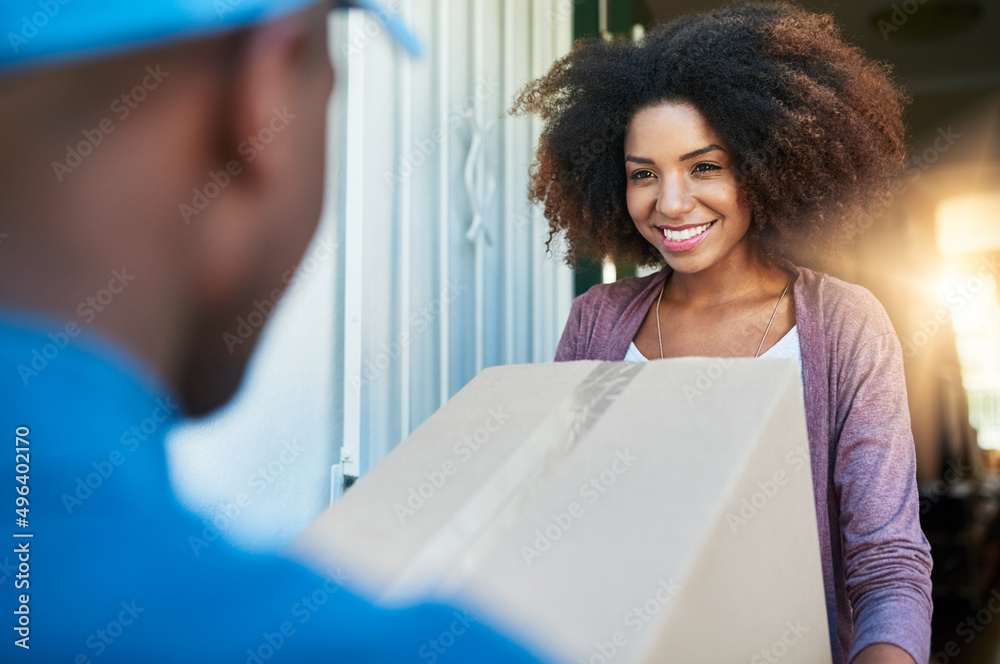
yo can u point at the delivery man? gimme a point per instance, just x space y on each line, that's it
161 166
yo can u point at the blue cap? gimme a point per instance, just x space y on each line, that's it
39 32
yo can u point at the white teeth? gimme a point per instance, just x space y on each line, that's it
677 236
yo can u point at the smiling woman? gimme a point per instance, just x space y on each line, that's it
735 146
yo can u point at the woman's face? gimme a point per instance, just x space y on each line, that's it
682 190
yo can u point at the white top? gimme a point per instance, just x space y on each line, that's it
787 346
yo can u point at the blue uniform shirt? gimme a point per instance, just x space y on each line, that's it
98 564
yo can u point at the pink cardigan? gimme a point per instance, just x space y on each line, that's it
876 560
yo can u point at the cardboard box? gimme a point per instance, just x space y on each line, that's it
604 512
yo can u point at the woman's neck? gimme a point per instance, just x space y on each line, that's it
743 274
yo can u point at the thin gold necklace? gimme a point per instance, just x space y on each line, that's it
768 329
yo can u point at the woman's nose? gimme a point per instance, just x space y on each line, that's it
674 198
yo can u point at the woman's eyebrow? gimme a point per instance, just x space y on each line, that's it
701 151
689 155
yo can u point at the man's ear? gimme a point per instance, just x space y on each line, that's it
256 152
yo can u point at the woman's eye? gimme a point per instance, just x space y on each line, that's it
704 167
641 174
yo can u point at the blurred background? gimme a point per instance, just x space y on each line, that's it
430 265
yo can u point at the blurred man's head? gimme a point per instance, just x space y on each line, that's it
185 179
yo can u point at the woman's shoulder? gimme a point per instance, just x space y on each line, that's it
605 317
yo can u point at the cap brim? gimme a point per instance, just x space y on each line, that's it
399 32
82 29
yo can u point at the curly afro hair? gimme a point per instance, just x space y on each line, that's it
815 127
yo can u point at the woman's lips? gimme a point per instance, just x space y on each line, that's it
696 235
